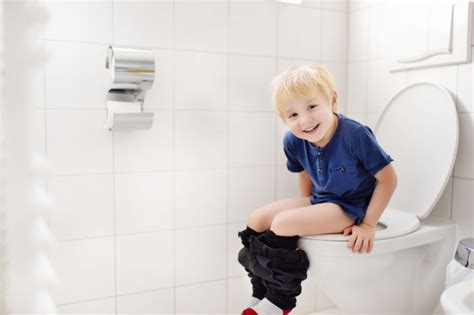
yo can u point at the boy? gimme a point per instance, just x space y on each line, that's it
345 180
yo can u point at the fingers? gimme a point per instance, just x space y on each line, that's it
371 245
347 231
358 244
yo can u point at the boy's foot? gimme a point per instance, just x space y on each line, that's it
265 307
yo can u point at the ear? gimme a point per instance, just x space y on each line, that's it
334 101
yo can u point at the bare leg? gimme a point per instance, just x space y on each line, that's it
261 219
323 218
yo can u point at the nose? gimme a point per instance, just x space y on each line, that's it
305 119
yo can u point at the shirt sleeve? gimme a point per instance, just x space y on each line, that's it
292 163
368 151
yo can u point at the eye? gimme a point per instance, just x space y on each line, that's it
292 115
312 106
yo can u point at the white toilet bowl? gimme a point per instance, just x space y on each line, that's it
404 273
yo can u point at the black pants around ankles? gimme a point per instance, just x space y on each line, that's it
258 288
280 266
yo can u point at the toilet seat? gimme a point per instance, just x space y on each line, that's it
392 223
419 129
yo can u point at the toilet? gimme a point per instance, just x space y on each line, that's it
404 273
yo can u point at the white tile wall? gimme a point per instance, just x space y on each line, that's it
134 210
84 21
252 27
154 302
249 74
85 268
133 20
190 299
201 25
143 202
144 261
299 32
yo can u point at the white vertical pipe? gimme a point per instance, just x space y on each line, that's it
2 267
29 274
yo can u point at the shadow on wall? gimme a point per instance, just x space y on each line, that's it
27 273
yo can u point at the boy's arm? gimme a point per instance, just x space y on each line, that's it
305 184
386 184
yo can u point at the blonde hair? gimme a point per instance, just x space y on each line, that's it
309 80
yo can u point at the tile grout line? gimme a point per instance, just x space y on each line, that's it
173 148
226 253
114 203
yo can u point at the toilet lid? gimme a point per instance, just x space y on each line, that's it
419 130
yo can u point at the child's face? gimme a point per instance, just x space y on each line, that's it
311 118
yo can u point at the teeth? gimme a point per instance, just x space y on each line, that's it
308 130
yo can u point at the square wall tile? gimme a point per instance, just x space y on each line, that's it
76 77
464 89
201 25
286 183
154 302
144 262
85 21
382 84
253 27
339 73
250 83
357 87
443 207
299 32
334 36
249 189
83 206
147 149
201 81
205 249
201 140
189 299
143 23
251 139
200 198
358 36
85 269
464 166
77 142
462 207
143 202
101 306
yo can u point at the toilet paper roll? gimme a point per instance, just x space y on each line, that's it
130 66
116 107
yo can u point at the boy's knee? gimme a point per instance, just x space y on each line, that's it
279 224
258 221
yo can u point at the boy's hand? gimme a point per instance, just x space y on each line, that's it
362 238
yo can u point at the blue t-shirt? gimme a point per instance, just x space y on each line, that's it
343 170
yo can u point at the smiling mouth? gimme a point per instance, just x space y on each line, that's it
311 129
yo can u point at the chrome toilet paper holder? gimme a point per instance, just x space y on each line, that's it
133 73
